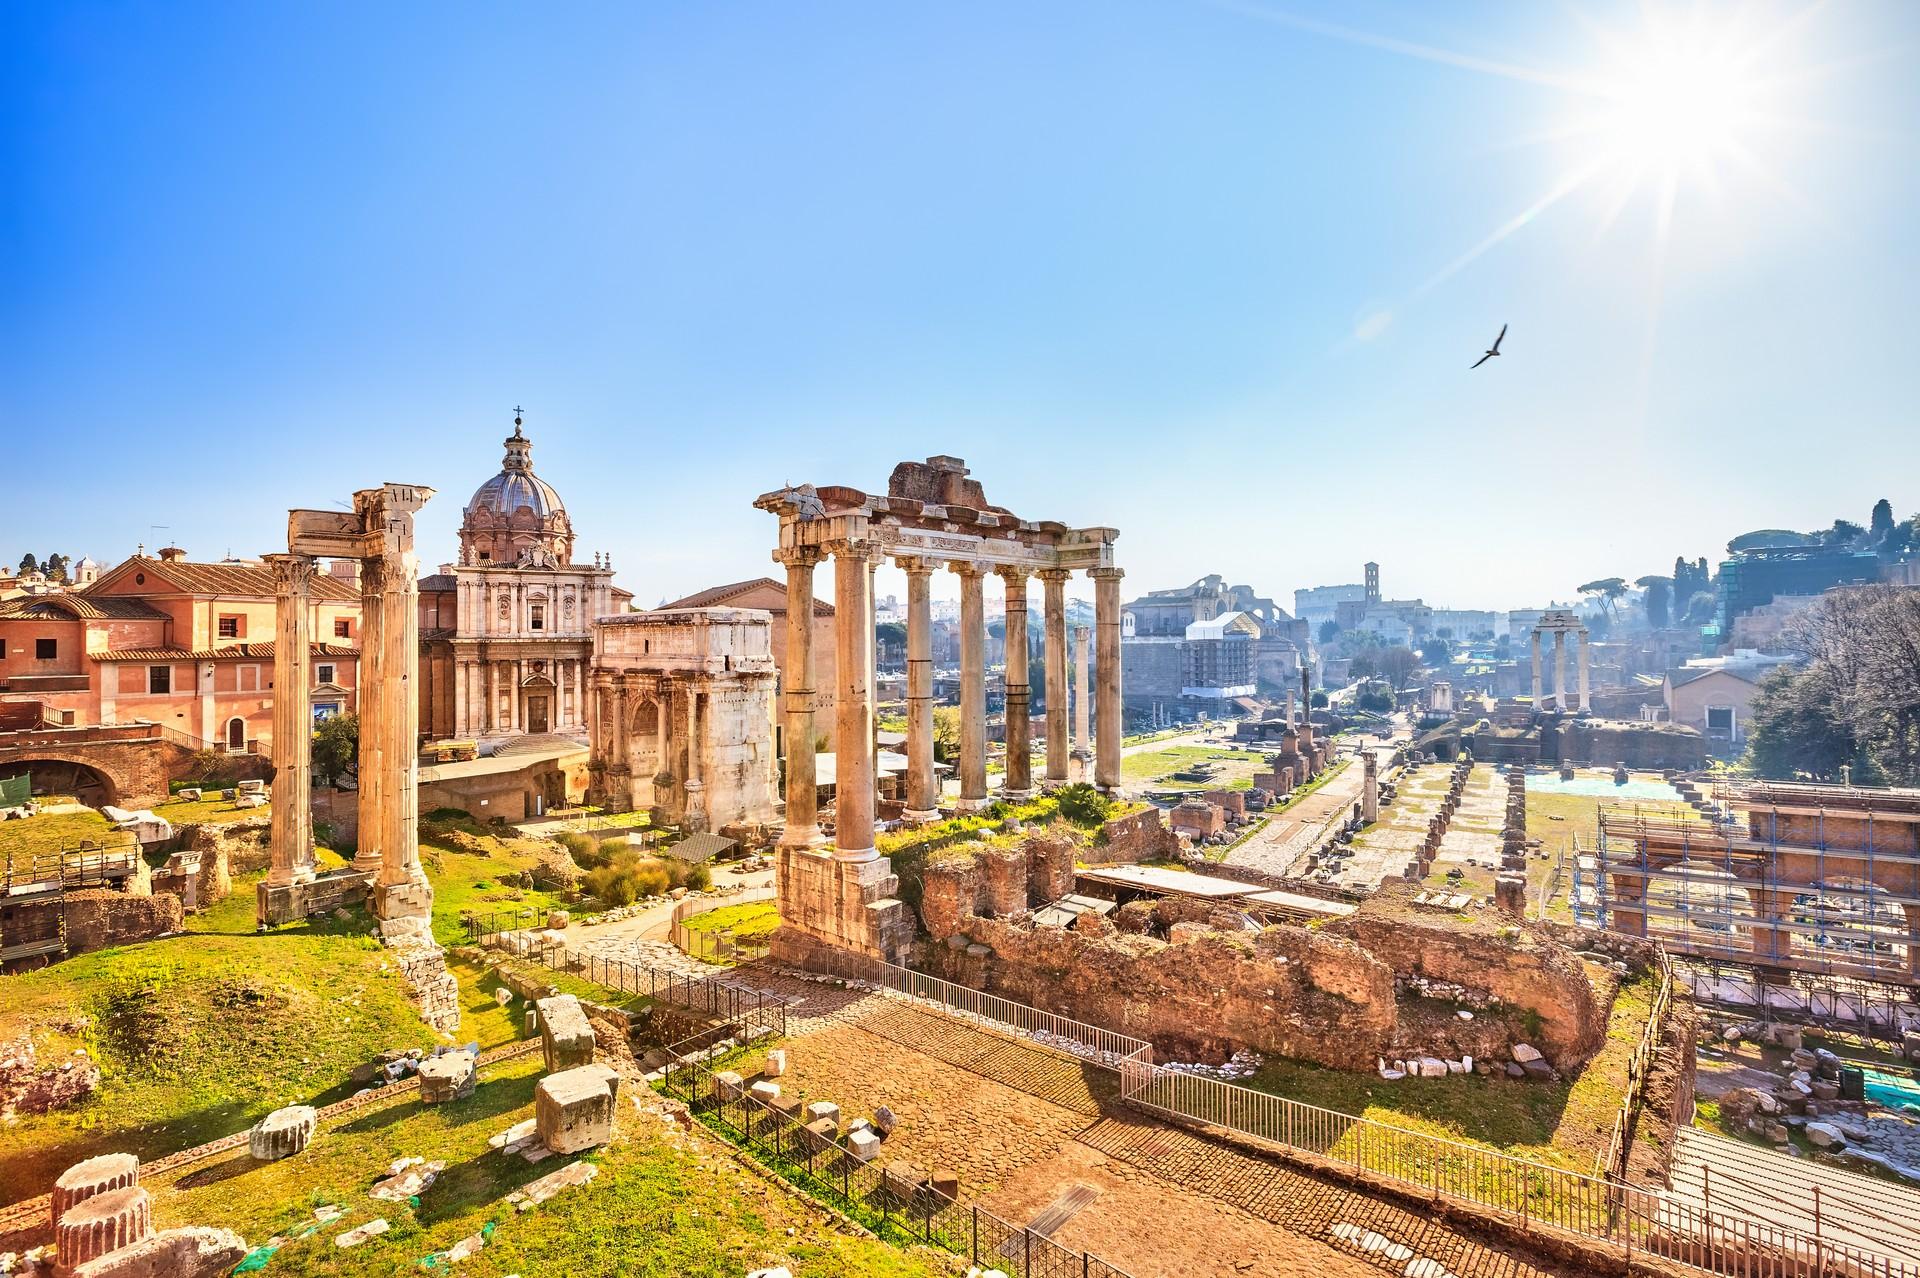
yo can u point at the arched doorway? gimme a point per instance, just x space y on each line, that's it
236 734
52 778
538 705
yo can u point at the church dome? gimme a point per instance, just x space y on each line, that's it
516 517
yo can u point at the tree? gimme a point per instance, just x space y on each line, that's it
28 564
1329 630
1880 523
55 566
1607 591
1659 600
1318 701
946 732
1843 533
1436 650
1397 665
336 748
1700 608
1362 665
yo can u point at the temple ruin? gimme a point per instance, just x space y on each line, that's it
932 517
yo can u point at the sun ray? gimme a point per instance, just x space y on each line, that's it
1565 187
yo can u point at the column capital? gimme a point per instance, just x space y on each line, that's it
863 548
1108 573
292 574
914 565
1013 575
966 569
798 556
1055 576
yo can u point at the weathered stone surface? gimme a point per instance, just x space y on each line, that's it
764 1092
863 1144
566 1036
1825 1135
885 1120
726 1085
573 1109
776 1063
105 1222
1524 1052
94 1176
449 1076
190 1252
824 1109
362 1233
819 1135
283 1133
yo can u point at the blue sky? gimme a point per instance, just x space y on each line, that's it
1178 267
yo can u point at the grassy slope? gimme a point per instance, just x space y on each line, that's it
51 833
725 1222
748 922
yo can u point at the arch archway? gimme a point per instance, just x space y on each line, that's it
92 786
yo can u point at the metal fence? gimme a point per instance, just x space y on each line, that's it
890 1197
748 1012
716 947
1614 1161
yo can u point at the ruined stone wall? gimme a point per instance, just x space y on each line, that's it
1204 994
100 917
1520 967
1638 745
1140 836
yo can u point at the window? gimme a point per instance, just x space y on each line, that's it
485 556
159 679
46 649
538 619
343 629
229 627
1719 718
323 674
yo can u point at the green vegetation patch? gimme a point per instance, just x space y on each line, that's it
56 832
750 921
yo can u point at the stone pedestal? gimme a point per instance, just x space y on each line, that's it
566 1036
448 1077
1510 895
95 1176
573 1110
850 905
283 1133
103 1223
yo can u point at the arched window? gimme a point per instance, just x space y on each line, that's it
236 733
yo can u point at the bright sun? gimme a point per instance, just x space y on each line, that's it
1682 104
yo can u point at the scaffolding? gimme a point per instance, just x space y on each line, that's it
1797 878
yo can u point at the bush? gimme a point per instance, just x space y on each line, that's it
699 878
1083 805
585 851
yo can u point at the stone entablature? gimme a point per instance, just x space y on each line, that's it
683 715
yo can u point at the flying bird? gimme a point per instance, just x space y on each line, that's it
1492 350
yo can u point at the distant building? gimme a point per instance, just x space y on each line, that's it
1204 645
1316 605
770 596
1463 623
1714 694
1754 578
1764 628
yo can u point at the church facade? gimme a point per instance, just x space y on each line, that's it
506 632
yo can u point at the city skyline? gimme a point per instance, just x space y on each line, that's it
1225 265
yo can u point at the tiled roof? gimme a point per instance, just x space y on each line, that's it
229 579
233 652
438 581
89 608
715 596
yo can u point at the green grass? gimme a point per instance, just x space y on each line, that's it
467 864
51 833
656 1210
751 921
1156 765
210 810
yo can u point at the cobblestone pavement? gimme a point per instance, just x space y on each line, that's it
1287 838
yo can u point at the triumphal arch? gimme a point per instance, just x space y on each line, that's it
932 518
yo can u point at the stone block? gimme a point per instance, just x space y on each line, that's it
818 1135
776 1063
283 1133
190 1252
726 1085
447 1077
503 996
902 1179
824 1109
96 1175
1524 1052
945 1185
787 1109
103 1223
566 1036
573 1109
1432 1067
764 1092
1825 1135
885 1120
863 1144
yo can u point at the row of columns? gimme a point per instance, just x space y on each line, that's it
855 562
1560 669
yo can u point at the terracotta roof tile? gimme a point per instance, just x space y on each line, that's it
94 608
233 652
231 579
715 596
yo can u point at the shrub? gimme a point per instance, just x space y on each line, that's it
699 878
1083 805
586 853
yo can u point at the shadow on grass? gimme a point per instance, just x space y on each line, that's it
237 1164
490 1101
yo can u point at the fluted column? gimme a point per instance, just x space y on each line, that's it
1054 595
853 703
459 668
1535 641
292 833
1586 672
372 676
1107 713
695 817
1082 704
1019 692
803 810
973 687
923 789
400 721
1559 670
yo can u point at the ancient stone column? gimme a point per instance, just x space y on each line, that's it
1289 718
292 835
853 706
1535 638
372 772
1586 672
1054 587
1559 670
1370 787
404 894
803 813
663 747
973 687
1106 715
923 787
873 668
695 819
1019 783
1082 703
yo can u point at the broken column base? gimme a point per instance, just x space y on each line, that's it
278 903
1510 895
192 1251
843 905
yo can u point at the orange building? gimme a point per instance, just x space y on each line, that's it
186 645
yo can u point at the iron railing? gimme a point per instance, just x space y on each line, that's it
719 948
1614 1161
884 1194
